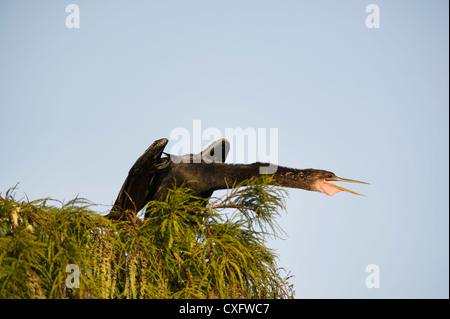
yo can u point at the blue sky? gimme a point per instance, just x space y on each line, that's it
79 106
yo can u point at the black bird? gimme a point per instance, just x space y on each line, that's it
152 175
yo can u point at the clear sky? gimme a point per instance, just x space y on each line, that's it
79 106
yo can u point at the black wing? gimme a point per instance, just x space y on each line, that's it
216 152
141 180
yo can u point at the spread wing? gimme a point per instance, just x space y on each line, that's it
217 151
141 180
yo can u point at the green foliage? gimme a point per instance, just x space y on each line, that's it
183 249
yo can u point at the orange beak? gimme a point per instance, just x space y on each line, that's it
331 189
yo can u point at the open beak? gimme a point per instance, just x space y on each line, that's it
331 189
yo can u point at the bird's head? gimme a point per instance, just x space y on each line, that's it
320 182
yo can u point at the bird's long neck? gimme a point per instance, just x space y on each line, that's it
225 175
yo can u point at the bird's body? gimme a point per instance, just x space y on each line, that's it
152 175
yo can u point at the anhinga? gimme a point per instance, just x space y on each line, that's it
152 175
